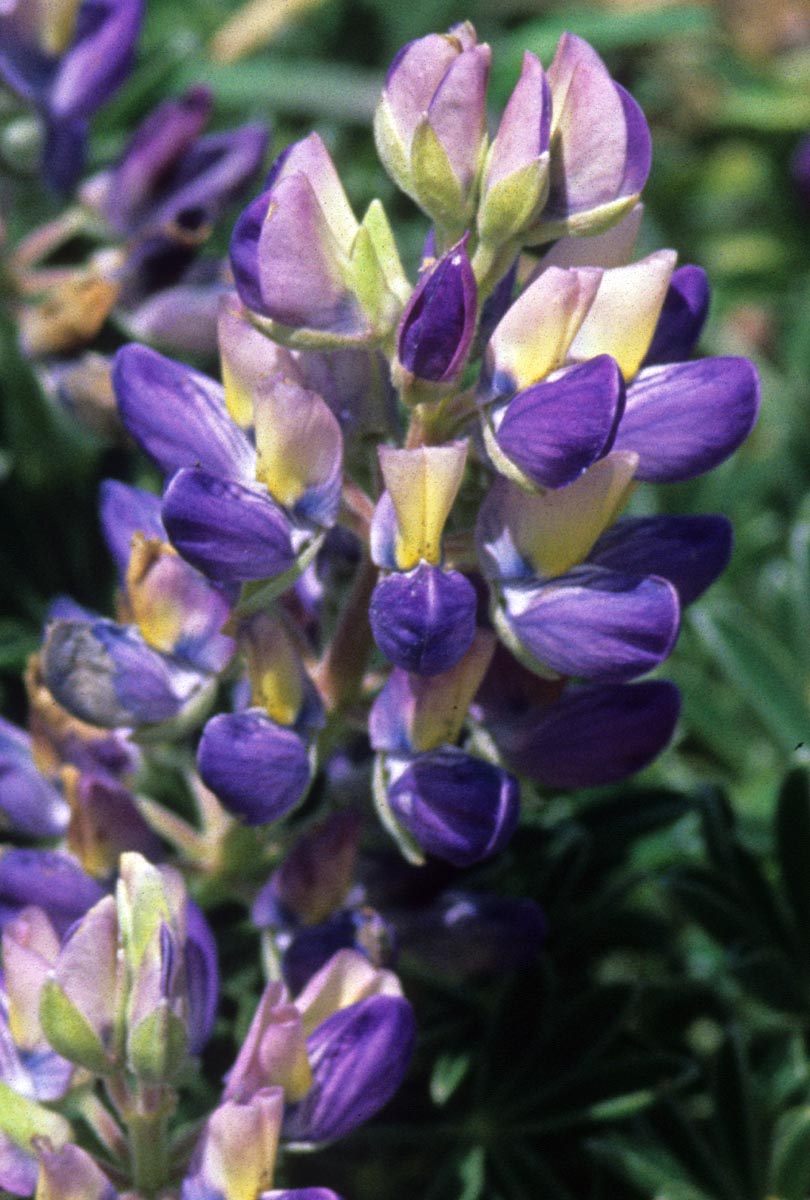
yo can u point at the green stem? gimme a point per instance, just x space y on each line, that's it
149 1147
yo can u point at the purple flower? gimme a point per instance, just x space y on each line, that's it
454 806
259 769
67 69
423 620
430 124
438 324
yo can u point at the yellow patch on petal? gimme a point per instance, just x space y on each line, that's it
154 608
298 439
533 337
622 319
346 979
274 668
57 24
238 397
423 484
556 530
441 707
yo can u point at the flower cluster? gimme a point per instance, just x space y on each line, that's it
390 562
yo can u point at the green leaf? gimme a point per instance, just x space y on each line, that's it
762 668
790 1155
650 1167
448 1072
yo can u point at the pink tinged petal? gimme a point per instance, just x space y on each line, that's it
246 1075
424 620
456 807
613 248
438 324
593 735
310 158
622 319
359 1057
413 77
556 430
685 418
259 770
177 415
688 551
682 318
301 264
88 974
299 450
228 531
71 1174
181 319
99 59
595 623
125 511
534 336
600 144
18 1168
155 148
30 948
524 132
107 675
457 112
235 1157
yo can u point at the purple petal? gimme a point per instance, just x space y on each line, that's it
685 418
424 620
457 112
107 675
259 770
523 134
554 431
359 1057
154 149
603 148
126 511
64 152
688 551
457 807
287 262
29 804
439 321
178 416
19 1168
215 171
315 1193
638 158
682 318
599 624
99 59
227 530
202 977
48 880
592 735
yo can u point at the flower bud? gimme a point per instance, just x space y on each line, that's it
437 328
423 620
430 124
516 173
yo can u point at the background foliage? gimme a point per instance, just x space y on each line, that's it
660 1045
